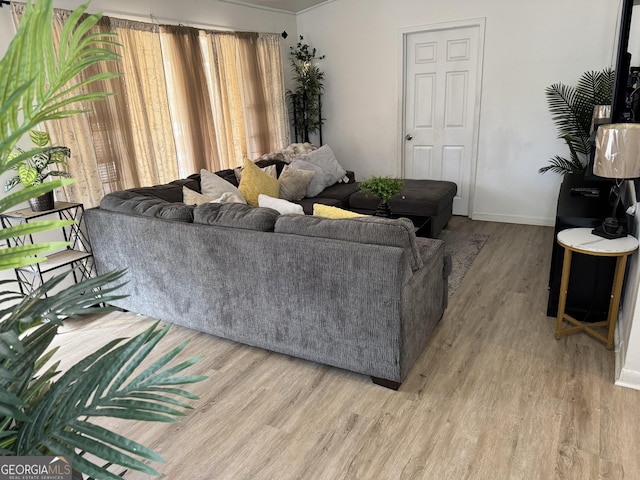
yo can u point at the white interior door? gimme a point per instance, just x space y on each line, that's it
442 92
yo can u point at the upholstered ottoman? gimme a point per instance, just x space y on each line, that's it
422 198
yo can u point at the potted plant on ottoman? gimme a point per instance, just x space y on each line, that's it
35 169
384 188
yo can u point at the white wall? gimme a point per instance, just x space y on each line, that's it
628 328
528 46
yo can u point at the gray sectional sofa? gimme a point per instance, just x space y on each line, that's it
361 294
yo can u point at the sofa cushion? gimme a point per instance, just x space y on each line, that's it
255 181
236 215
213 185
284 207
326 211
294 182
419 197
372 230
167 192
341 191
130 202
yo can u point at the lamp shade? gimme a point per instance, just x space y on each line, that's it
601 115
617 151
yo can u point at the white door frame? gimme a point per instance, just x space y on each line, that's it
472 22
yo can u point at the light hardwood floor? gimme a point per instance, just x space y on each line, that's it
493 396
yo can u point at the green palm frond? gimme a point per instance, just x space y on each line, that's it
571 109
34 82
40 313
41 410
103 384
562 165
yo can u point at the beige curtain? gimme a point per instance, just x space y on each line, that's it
189 101
186 99
125 141
248 94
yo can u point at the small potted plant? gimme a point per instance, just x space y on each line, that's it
383 188
36 169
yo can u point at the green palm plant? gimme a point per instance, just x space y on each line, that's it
42 411
572 112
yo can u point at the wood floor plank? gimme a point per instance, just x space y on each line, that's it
492 396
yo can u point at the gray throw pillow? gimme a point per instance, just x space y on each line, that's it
324 158
294 183
320 180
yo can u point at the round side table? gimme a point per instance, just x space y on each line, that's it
581 240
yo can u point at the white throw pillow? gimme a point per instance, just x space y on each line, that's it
283 206
213 186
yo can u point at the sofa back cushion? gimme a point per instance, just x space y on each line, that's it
236 215
372 230
129 201
168 192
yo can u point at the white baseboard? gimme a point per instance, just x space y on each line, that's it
624 377
628 378
492 217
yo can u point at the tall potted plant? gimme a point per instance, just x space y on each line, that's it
305 98
572 112
43 412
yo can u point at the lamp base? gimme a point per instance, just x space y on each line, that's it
610 228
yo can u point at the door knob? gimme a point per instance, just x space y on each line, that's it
409 137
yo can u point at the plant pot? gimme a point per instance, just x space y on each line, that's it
383 210
42 203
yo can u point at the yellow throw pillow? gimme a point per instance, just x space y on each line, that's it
320 210
254 182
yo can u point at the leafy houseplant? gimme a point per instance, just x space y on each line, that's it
305 97
383 188
36 169
43 412
572 112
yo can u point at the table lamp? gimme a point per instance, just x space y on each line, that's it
618 157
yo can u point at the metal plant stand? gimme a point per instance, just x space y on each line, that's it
77 255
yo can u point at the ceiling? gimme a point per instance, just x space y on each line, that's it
291 6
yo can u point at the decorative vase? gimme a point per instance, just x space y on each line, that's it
383 210
42 203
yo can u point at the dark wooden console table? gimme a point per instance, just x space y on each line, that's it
589 288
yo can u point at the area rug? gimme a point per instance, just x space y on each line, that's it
464 248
